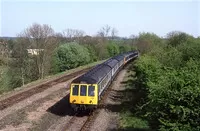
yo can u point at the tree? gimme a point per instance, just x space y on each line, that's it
70 55
4 52
73 34
18 65
114 33
145 41
176 38
104 31
133 39
113 49
40 37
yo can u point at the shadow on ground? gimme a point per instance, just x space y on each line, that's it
62 107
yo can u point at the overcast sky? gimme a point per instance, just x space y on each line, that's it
128 18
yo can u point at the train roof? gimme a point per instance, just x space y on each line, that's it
131 52
119 57
111 62
94 76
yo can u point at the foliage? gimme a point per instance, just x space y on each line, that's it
113 49
92 53
125 47
70 55
176 38
127 121
145 42
171 77
101 50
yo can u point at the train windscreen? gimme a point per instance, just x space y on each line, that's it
83 90
75 90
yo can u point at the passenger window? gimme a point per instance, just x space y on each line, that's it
83 90
75 90
91 91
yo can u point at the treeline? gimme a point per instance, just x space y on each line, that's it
39 51
169 72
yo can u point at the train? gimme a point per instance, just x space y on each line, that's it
86 90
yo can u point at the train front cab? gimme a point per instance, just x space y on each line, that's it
83 96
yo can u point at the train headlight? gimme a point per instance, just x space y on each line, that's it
73 101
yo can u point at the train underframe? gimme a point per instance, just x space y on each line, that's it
83 107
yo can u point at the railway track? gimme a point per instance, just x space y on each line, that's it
7 102
80 122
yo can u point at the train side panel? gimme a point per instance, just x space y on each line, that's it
102 85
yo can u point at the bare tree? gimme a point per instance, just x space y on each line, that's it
133 39
40 37
59 37
73 34
114 33
104 31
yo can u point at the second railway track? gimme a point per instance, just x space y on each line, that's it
7 102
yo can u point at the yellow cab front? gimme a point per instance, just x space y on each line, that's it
84 94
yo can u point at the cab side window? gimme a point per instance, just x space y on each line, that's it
91 91
75 90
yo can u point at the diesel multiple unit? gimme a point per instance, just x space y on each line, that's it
86 90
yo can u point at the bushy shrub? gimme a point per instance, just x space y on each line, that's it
70 55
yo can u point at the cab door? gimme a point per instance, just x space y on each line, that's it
92 94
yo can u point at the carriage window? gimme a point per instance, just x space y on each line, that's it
83 90
75 90
91 91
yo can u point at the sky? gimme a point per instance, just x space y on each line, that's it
128 17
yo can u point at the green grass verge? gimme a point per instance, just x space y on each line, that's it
129 121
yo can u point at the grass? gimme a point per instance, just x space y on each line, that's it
128 120
132 94
4 79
